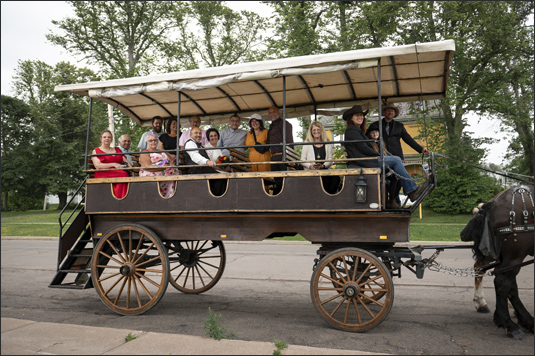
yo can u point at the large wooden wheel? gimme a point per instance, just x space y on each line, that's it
350 300
196 266
130 269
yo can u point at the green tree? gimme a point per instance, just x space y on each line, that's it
60 123
122 37
20 187
297 26
210 34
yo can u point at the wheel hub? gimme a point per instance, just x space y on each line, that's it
351 290
188 258
128 269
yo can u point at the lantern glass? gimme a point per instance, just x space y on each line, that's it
360 189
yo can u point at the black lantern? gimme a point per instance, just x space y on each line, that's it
360 189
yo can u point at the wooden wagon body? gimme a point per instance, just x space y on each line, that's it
132 247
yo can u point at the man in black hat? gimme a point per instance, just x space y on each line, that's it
394 132
356 129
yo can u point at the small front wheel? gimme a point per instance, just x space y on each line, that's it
196 266
346 286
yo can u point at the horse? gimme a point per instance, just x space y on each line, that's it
502 231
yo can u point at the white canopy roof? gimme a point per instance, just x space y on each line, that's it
326 82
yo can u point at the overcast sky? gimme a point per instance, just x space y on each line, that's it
25 23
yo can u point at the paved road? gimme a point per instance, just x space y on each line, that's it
265 295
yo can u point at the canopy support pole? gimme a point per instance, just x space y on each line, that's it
88 132
381 145
284 118
177 158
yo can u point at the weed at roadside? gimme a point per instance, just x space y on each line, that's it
214 329
281 345
130 337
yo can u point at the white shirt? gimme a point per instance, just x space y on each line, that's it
128 157
213 154
195 155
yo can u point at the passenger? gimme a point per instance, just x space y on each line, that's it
233 136
160 162
393 132
115 161
393 183
124 145
275 136
356 126
200 157
258 134
168 139
316 133
194 121
213 155
156 123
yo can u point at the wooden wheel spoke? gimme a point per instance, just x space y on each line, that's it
130 245
193 277
357 311
128 290
332 280
116 252
209 264
373 290
205 257
120 289
205 271
368 309
111 276
333 268
107 266
144 253
137 275
332 298
122 246
371 280
347 311
332 288
136 292
200 277
339 305
345 266
147 261
183 269
363 273
371 300
149 280
186 278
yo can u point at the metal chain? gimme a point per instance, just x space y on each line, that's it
462 272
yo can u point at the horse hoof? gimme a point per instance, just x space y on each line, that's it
483 309
517 334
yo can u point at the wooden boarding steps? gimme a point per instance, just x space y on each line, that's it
76 251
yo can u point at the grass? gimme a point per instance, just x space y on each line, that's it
432 226
214 329
32 223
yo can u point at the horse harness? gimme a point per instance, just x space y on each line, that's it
527 224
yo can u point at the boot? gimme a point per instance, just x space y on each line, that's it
391 204
414 195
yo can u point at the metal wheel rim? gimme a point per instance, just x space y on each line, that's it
130 269
194 275
350 306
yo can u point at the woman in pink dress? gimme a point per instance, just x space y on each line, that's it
114 161
160 162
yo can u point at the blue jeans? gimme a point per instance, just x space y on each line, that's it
394 162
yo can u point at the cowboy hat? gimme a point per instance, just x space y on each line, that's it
393 107
356 109
256 117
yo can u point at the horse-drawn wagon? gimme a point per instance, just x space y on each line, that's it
133 247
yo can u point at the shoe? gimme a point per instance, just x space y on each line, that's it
391 204
414 195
